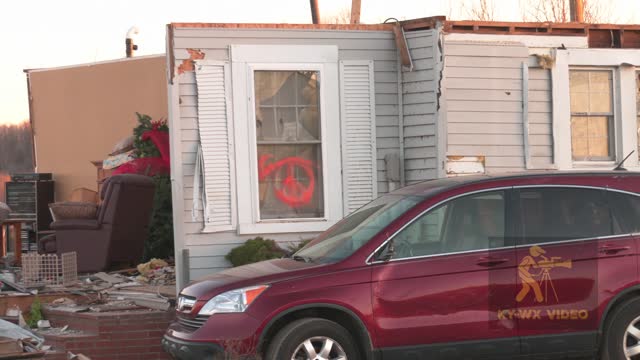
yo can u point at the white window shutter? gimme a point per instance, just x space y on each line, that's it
214 124
358 121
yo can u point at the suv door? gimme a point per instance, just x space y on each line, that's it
451 272
572 253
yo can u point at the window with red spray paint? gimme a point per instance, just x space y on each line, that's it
289 139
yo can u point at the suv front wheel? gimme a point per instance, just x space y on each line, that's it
313 339
622 336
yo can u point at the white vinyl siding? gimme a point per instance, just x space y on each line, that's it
483 85
207 250
357 96
420 96
217 146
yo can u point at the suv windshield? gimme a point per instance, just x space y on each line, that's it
347 236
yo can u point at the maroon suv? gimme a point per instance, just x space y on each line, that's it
488 267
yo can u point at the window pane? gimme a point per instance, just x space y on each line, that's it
591 91
600 81
590 138
309 120
473 222
579 135
600 103
579 81
580 102
626 212
563 214
287 105
591 97
289 144
285 119
598 137
290 181
352 232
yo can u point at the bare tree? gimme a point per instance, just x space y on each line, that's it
558 11
481 10
343 16
16 149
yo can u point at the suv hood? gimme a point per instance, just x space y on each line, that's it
265 272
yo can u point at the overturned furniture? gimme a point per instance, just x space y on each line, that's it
116 234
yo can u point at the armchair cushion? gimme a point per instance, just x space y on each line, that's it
73 210
73 224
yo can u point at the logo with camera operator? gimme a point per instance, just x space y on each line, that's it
534 272
536 281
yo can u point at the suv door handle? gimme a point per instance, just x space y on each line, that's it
489 261
613 249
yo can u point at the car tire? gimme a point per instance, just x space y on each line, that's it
616 337
295 340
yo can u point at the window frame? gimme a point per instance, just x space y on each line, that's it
611 116
509 226
253 140
246 59
621 61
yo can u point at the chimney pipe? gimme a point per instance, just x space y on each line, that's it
131 47
576 10
315 12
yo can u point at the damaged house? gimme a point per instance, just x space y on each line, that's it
280 130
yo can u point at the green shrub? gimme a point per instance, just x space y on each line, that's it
35 314
255 250
292 249
159 243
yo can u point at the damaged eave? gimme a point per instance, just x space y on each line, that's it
608 36
354 27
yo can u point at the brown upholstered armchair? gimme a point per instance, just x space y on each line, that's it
118 232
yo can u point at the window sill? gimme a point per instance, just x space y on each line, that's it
285 226
593 165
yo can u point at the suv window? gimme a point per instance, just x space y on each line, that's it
557 214
626 210
347 236
468 223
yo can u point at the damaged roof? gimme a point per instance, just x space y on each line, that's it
599 35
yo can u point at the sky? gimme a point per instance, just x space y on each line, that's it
46 33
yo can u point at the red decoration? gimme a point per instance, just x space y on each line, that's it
150 166
292 192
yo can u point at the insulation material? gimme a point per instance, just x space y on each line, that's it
465 165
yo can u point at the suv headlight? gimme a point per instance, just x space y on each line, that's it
232 301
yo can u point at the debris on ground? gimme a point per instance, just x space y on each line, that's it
13 331
59 331
72 356
156 272
111 279
150 285
15 341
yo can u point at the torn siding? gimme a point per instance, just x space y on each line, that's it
483 88
207 250
419 100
